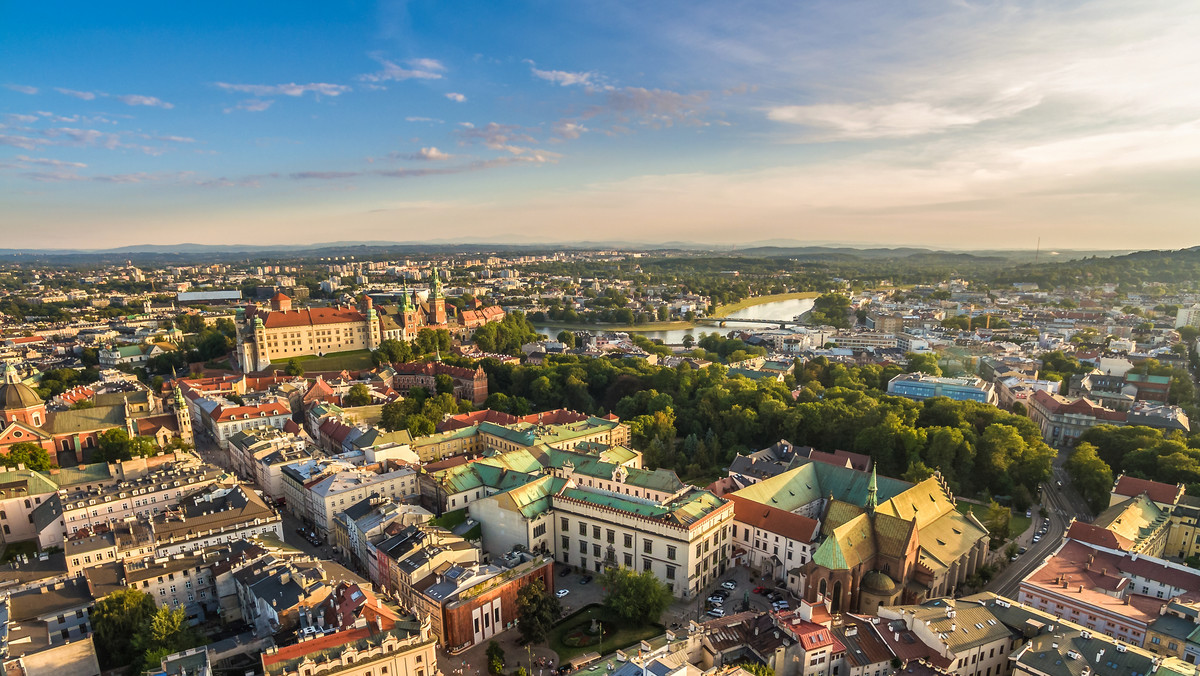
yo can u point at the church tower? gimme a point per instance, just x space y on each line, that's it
408 313
437 301
872 493
183 418
373 329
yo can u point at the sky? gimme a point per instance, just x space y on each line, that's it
957 124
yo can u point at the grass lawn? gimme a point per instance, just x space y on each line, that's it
450 520
13 549
621 635
351 361
723 310
1017 524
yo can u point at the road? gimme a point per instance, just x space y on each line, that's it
1063 504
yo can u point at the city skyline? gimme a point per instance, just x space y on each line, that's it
958 125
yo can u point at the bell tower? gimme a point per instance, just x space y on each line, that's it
183 419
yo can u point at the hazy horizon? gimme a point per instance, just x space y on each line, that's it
954 125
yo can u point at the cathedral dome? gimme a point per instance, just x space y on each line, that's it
15 394
878 582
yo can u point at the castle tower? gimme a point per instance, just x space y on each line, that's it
374 332
183 419
261 361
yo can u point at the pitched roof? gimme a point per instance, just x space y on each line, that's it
773 519
1158 492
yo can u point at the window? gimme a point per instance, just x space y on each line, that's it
566 525
583 529
596 551
646 564
628 560
612 536
670 553
539 530
566 542
628 541
670 572
582 547
595 532
648 546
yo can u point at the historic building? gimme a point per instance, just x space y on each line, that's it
279 333
404 321
879 541
469 384
68 435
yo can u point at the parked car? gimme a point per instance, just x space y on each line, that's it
1037 538
716 612
760 590
1022 550
729 584
722 593
1028 513
564 571
562 592
780 605
585 579
715 600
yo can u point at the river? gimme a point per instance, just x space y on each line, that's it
780 310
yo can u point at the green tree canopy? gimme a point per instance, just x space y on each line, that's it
359 395
537 611
30 455
636 598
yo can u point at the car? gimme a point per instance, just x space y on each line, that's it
760 591
716 612
1058 483
585 579
780 605
722 593
715 600
1022 550
562 592
1028 513
564 571
729 584
1037 538
774 596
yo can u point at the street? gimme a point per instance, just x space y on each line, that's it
1063 504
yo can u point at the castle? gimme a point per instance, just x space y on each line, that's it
279 332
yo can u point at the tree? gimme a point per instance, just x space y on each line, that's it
636 598
444 384
114 445
567 338
537 611
925 363
998 520
757 669
294 367
30 455
495 658
359 395
1092 476
116 620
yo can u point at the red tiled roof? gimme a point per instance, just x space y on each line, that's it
344 637
1102 537
307 317
773 519
1158 492
462 420
225 414
1081 406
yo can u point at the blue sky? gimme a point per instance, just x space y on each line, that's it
957 124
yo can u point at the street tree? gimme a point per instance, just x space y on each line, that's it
537 611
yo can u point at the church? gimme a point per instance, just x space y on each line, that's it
71 436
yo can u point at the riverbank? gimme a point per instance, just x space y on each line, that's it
726 310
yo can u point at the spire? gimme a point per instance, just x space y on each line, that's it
405 296
10 374
872 492
435 284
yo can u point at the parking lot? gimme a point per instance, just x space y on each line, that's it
741 597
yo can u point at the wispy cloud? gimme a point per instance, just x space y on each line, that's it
140 100
421 69
46 162
456 97
565 78
86 96
23 142
251 105
323 175
22 89
288 89
495 136
650 107
417 118
566 129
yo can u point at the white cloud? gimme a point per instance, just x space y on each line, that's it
23 89
23 142
567 129
139 100
421 69
289 89
251 105
18 117
417 118
456 97
430 153
86 96
467 125
565 78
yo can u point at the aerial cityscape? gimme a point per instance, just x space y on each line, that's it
529 339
